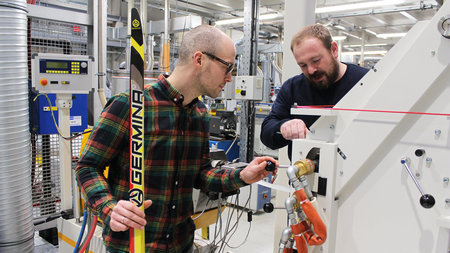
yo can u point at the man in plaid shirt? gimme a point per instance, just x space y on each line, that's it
176 145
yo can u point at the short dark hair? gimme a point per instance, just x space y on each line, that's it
316 31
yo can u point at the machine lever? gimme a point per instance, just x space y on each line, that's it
427 200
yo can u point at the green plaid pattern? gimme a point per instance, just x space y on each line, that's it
176 161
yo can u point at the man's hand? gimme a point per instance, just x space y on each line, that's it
127 215
256 170
294 129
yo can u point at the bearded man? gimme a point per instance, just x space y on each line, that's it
324 81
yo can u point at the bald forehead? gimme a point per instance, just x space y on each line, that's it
205 38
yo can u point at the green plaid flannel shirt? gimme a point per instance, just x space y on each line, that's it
176 161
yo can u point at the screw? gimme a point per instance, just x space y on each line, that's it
433 53
341 172
437 132
447 201
445 180
312 131
331 126
417 174
428 160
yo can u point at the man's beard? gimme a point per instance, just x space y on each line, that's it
329 79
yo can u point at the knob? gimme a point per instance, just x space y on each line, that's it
268 207
270 166
419 152
427 201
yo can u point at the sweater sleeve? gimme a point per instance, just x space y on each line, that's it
280 113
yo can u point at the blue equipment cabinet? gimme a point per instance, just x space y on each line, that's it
41 117
225 145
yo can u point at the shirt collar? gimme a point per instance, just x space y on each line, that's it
173 93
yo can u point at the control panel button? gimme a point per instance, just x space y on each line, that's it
44 81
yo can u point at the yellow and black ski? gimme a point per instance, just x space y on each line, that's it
137 164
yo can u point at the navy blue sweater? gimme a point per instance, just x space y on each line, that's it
297 90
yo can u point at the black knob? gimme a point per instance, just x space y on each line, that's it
270 166
427 201
419 152
268 207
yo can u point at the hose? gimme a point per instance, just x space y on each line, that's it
75 250
91 233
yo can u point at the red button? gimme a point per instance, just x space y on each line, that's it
44 81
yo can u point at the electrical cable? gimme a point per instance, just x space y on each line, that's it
89 222
54 120
236 224
204 208
80 236
230 232
226 153
91 233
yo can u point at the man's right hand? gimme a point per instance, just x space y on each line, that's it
126 214
294 129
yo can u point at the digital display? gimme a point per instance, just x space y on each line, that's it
56 64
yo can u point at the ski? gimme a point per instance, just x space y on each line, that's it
137 164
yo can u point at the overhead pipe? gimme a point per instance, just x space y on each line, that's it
150 54
101 52
166 48
16 211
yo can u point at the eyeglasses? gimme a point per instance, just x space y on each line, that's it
230 66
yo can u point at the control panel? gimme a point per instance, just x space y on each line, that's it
62 74
248 87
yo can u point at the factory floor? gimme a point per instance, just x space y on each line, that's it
259 239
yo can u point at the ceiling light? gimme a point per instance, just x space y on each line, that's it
390 35
371 32
222 5
409 16
365 52
241 20
357 6
368 45
340 27
338 38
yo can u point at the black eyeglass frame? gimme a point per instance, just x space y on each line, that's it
230 66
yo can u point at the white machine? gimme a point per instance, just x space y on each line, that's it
384 152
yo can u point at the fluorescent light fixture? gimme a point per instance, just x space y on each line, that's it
241 20
221 5
365 53
409 16
368 45
337 38
390 35
357 6
371 32
339 27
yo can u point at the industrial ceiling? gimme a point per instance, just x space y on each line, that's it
360 19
